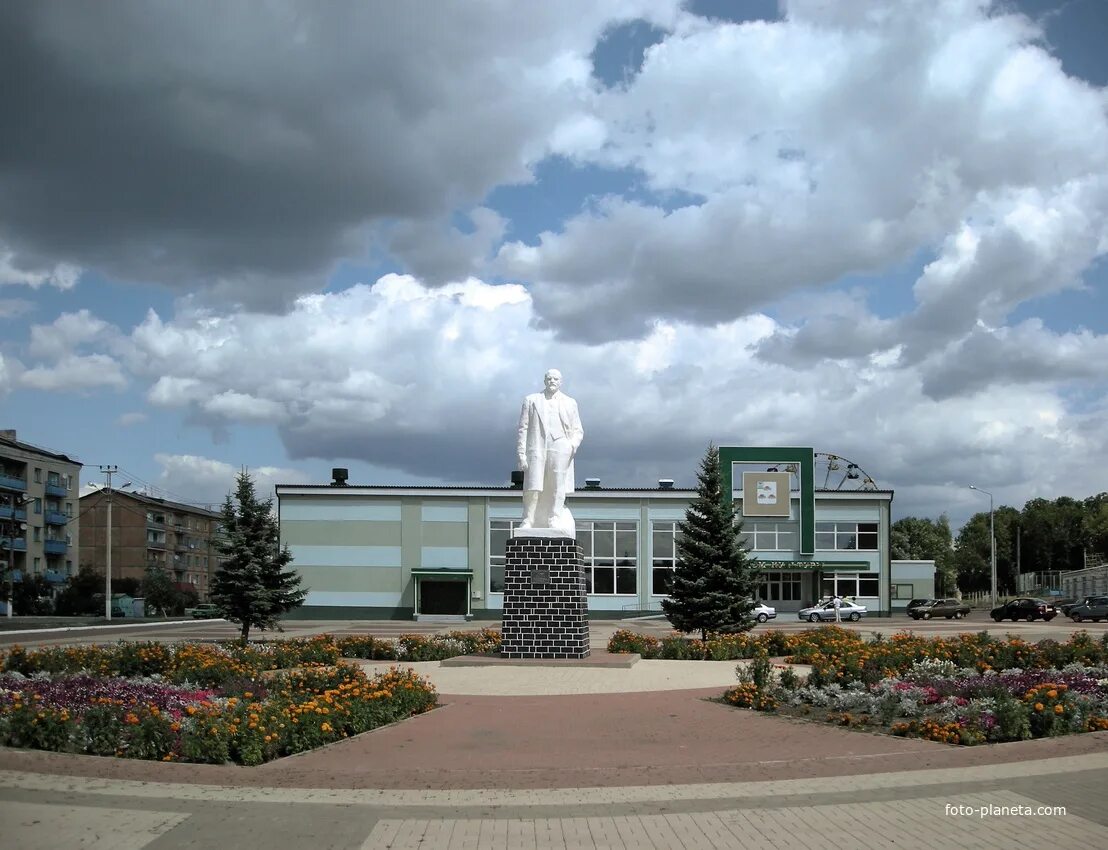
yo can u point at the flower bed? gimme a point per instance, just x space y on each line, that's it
941 689
840 655
214 703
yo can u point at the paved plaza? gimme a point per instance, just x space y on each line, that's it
552 757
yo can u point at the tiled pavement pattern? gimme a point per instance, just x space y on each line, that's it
903 810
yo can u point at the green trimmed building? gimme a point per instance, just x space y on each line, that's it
396 552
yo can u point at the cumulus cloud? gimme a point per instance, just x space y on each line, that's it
835 141
206 481
248 152
426 382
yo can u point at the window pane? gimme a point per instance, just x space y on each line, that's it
868 526
846 541
786 540
867 540
825 540
604 543
498 542
603 562
662 582
625 580
822 527
496 578
627 526
868 587
828 587
588 581
584 540
626 544
663 544
603 580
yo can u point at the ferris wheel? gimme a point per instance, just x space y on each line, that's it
835 472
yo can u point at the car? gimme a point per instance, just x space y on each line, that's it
206 611
952 609
763 612
1024 608
913 604
1064 605
1094 608
824 611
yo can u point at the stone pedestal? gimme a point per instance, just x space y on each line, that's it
546 614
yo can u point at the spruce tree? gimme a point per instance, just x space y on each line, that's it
714 580
252 587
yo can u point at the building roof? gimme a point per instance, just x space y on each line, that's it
27 447
154 501
459 488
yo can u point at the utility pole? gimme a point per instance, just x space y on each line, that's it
108 471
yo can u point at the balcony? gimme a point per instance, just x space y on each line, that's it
54 547
154 544
55 518
12 482
56 490
19 546
6 512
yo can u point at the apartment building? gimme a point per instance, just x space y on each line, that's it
147 530
38 510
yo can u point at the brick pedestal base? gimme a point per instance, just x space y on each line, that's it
545 613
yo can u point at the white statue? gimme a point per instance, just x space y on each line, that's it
549 434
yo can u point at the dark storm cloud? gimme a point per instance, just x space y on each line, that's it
206 142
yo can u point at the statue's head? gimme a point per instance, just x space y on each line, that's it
552 379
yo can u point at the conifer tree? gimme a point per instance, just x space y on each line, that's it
252 587
714 580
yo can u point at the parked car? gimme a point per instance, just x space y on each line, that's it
763 612
205 611
1064 605
1094 608
917 603
1024 608
825 611
952 609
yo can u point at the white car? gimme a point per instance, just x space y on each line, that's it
762 612
825 611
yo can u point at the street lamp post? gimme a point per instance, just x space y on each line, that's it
992 539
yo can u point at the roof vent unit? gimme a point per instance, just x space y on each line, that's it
592 483
339 474
665 483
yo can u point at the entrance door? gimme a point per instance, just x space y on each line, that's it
442 597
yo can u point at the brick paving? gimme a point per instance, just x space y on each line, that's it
653 768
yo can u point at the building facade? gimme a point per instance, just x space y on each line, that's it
400 552
147 530
39 520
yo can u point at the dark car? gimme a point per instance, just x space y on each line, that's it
1094 608
916 603
952 609
1024 608
1064 605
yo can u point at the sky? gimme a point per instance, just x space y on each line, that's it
300 236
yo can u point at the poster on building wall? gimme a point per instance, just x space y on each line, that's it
766 494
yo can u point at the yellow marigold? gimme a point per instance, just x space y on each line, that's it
1058 709
1052 694
1038 706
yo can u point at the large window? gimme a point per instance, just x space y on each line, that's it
611 556
846 535
499 532
770 536
851 584
664 536
781 586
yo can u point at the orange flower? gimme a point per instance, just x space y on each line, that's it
1058 709
1038 706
